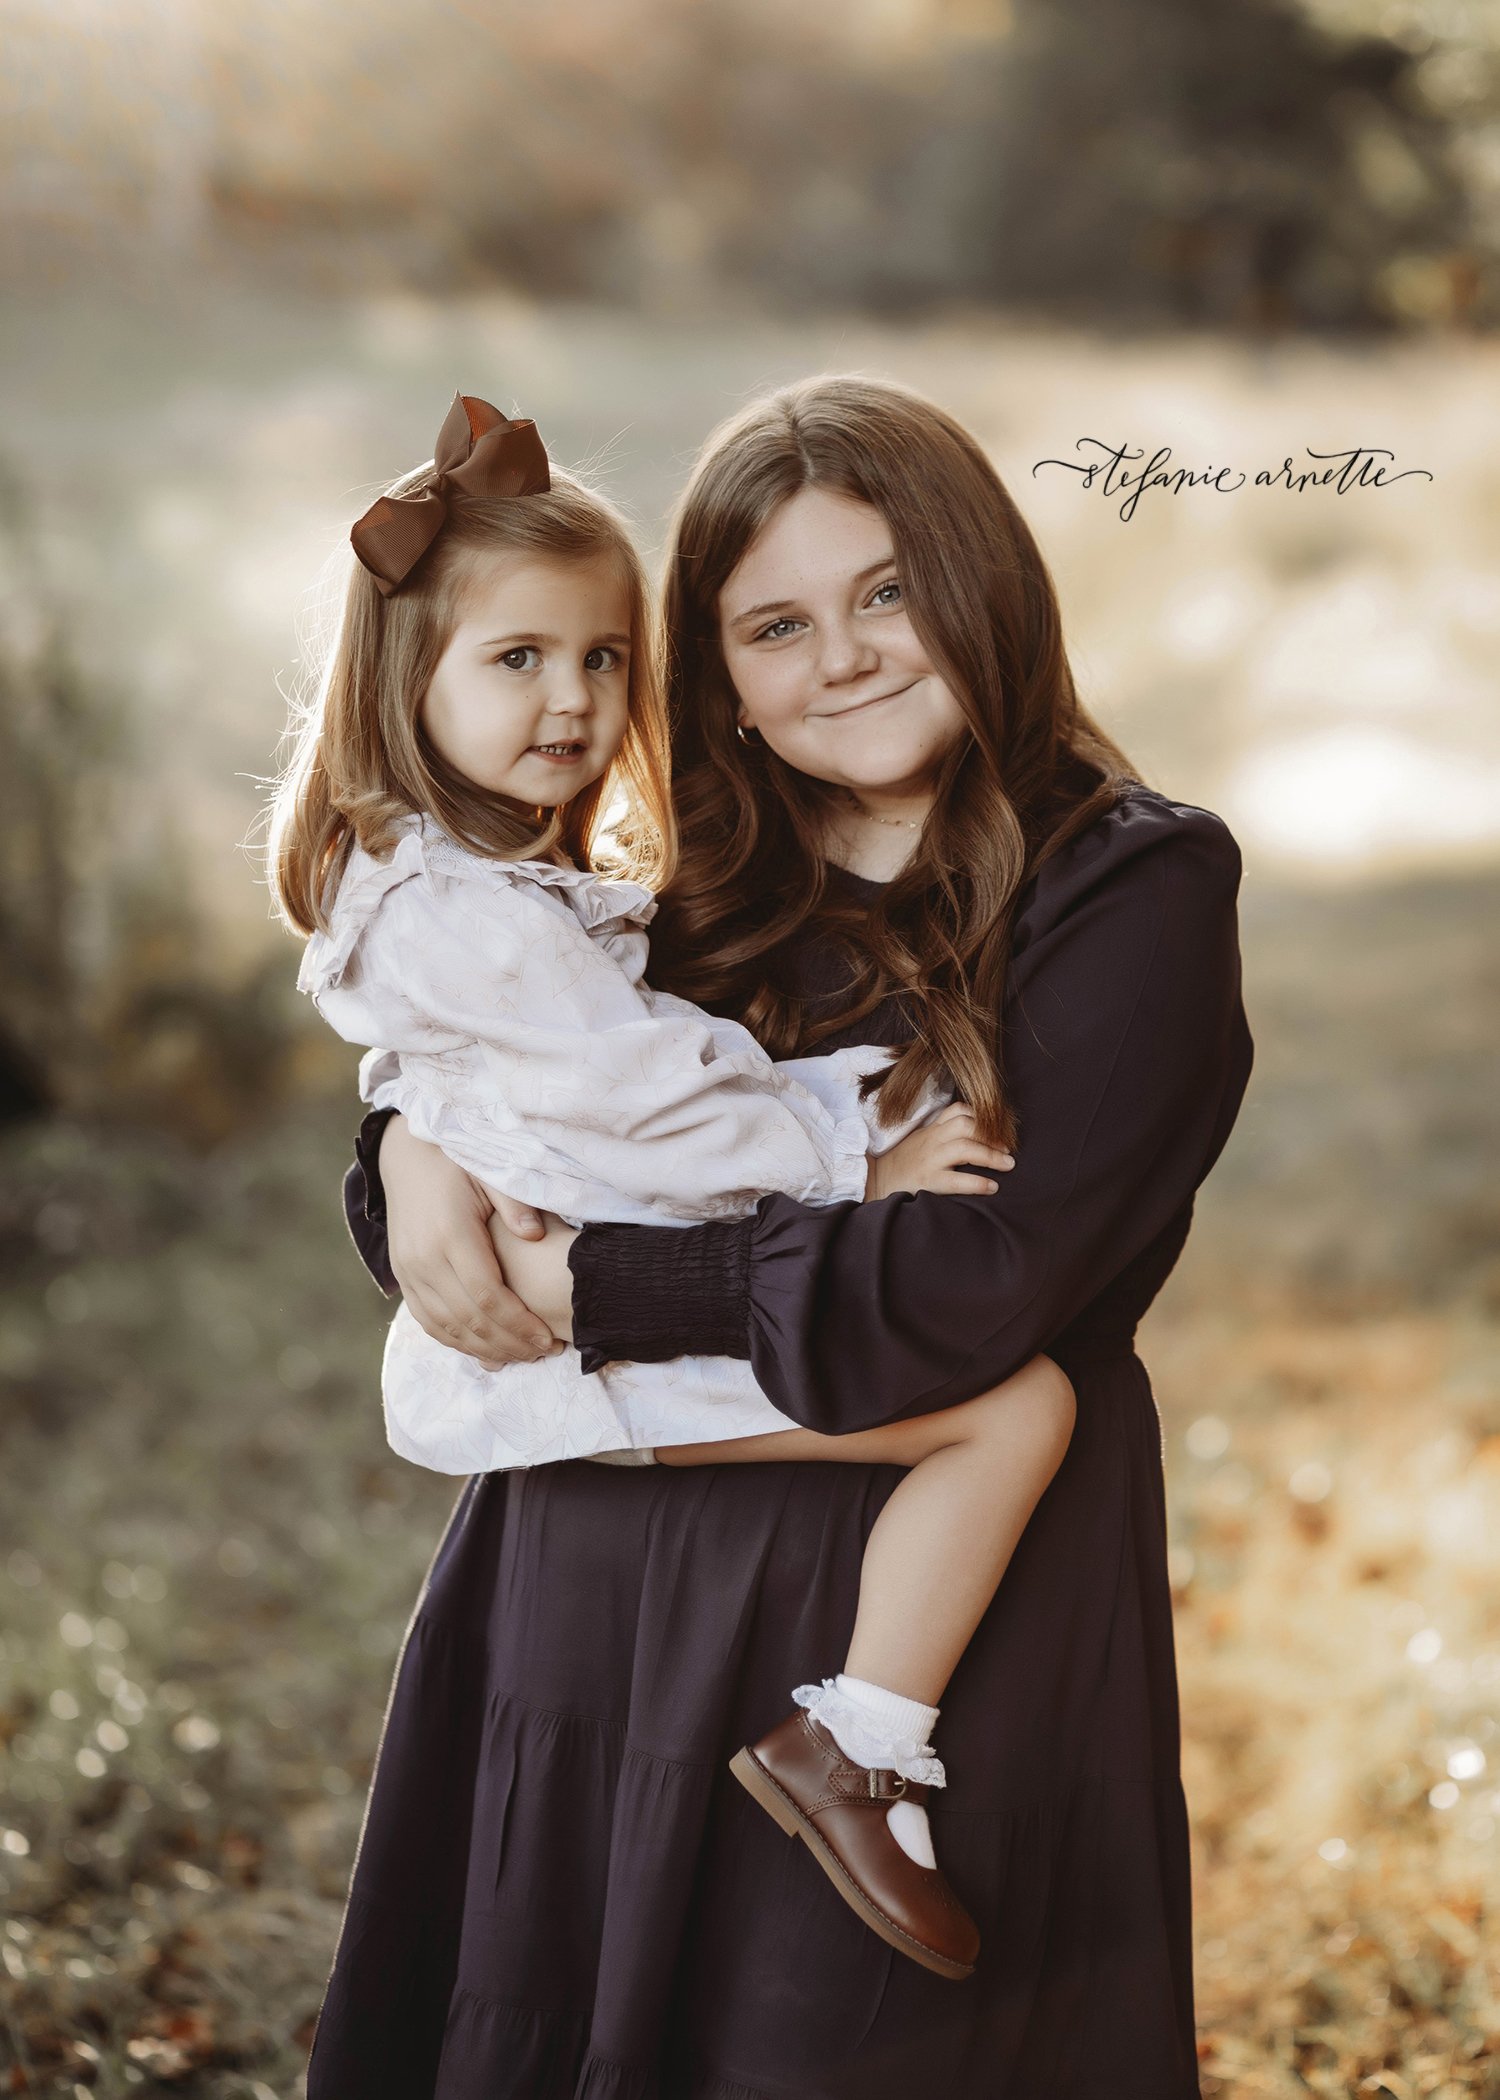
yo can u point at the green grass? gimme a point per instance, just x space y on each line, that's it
211 1556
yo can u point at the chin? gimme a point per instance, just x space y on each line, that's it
883 775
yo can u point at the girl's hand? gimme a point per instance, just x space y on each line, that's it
933 1158
439 1223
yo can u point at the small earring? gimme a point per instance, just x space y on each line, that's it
752 737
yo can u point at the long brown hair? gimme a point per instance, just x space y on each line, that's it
361 760
1033 769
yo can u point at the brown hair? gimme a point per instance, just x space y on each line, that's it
362 760
1033 769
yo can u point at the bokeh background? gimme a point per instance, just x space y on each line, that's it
249 252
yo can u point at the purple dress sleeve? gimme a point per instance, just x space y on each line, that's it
1127 1056
364 1201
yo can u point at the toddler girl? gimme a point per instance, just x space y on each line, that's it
491 700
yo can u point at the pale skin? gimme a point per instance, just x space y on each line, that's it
529 698
828 668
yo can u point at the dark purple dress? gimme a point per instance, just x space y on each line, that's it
560 1893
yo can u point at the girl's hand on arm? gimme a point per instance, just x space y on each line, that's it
444 1259
933 1158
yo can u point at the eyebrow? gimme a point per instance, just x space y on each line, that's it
758 612
550 641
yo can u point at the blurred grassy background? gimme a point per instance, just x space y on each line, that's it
250 253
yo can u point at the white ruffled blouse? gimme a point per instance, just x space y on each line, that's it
509 1022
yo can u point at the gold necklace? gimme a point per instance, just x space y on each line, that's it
891 823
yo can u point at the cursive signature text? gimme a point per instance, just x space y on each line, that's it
1115 472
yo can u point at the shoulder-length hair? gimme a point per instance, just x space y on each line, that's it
1033 769
361 760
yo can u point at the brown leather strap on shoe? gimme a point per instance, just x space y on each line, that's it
839 1809
848 1782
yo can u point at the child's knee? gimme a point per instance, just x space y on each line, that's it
1058 1402
1040 1405
1059 1407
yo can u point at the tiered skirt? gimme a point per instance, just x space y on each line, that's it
561 1893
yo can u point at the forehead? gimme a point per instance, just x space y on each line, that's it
551 592
815 538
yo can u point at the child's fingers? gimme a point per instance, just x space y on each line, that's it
969 1152
956 1183
956 1124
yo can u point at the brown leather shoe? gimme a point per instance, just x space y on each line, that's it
800 1776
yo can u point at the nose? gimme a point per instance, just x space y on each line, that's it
569 693
844 653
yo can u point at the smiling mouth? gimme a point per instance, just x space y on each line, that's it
560 754
833 714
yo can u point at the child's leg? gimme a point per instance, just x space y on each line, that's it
943 1540
932 1563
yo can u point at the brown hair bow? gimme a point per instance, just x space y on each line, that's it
479 452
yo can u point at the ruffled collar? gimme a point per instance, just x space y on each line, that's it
598 900
424 850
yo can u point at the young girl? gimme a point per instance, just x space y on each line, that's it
492 696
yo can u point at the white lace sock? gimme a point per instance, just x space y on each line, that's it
882 1731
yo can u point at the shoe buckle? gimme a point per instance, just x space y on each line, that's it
878 1793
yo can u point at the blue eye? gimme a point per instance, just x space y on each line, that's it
880 594
770 633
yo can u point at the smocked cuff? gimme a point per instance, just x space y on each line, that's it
643 1294
364 1202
